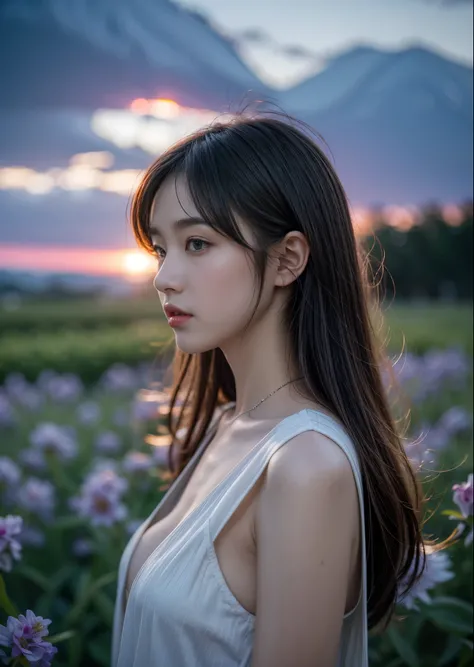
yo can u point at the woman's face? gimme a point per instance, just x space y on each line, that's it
200 271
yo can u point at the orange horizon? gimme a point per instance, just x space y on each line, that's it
68 259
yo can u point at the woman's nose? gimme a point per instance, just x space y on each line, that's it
168 277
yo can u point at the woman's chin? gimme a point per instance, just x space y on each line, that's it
192 346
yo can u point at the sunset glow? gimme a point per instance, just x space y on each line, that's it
64 259
150 124
161 108
138 263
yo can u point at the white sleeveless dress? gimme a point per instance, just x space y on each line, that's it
180 611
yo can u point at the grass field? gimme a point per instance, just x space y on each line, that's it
87 336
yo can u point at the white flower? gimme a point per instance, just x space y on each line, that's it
436 572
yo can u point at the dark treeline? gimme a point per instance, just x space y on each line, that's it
431 260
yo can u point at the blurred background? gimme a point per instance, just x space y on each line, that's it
91 93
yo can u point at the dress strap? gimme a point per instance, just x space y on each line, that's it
163 508
246 475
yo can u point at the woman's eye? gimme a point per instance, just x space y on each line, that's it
198 241
160 253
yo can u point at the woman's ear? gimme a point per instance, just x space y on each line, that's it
291 257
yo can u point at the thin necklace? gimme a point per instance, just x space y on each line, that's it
263 399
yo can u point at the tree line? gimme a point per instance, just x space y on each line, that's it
430 260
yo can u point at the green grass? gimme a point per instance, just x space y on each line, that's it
78 313
87 336
425 326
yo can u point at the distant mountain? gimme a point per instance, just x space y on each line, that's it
341 74
365 69
105 53
399 125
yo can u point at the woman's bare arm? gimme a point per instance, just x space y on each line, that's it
306 526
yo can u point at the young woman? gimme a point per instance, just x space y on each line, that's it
294 514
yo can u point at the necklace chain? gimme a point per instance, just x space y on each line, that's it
263 399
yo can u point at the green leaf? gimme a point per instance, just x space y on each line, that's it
61 577
5 602
62 637
466 657
100 650
65 522
454 513
451 614
86 593
402 647
35 576
452 648
104 606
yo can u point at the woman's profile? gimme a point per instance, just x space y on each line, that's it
294 516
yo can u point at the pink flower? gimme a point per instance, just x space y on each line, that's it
463 496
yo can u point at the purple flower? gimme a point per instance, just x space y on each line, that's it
160 455
65 388
120 417
107 442
119 378
148 405
32 537
437 571
9 472
30 398
44 378
33 459
99 498
37 496
82 548
15 384
10 548
437 439
106 480
88 413
49 437
455 420
463 496
425 376
25 636
7 414
417 448
47 658
137 462
100 464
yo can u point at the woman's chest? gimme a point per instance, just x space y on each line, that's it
233 548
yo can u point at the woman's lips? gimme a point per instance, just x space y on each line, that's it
178 320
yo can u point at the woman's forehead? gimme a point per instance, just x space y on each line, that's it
173 201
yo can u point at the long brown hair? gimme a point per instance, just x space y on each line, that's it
270 172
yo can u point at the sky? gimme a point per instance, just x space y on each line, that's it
285 41
322 27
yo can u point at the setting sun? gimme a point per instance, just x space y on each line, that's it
138 263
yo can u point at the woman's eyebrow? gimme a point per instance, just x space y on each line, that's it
182 223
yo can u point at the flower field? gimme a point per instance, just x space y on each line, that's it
79 472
